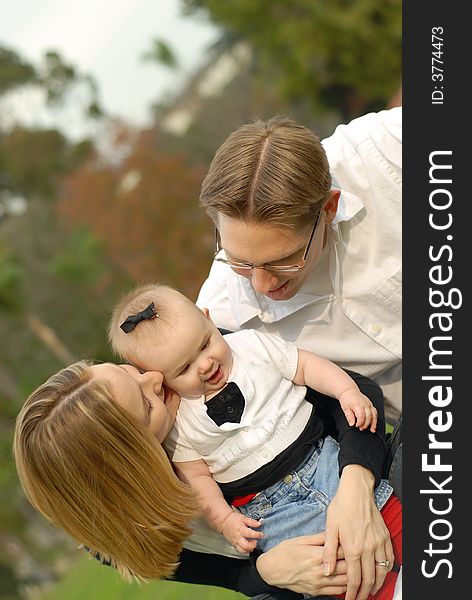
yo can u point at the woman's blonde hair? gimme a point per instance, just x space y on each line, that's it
273 170
92 470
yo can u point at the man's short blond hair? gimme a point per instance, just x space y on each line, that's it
272 171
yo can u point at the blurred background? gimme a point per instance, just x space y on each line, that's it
110 113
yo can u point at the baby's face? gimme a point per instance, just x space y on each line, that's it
194 358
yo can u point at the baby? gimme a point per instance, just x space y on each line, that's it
243 424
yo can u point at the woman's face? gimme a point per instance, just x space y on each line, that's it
142 395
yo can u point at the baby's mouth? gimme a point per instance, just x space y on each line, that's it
217 375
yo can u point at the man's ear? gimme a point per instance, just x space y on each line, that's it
206 312
331 206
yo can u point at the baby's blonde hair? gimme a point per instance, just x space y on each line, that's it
167 304
94 471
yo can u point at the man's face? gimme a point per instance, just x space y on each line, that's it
272 244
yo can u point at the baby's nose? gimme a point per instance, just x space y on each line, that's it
205 366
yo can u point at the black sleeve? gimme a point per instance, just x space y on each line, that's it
356 447
235 574
240 575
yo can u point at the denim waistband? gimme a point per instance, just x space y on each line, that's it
308 466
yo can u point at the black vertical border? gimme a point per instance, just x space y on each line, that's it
427 128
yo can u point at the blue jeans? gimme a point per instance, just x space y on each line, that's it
297 505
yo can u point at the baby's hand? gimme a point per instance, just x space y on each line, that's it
359 410
237 530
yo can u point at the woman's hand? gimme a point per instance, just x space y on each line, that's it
297 564
355 523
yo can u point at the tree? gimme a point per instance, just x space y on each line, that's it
162 54
145 212
14 71
53 75
341 54
55 292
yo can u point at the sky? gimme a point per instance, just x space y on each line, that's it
107 39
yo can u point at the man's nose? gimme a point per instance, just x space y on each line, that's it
264 281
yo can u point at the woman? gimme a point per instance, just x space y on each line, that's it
308 246
89 458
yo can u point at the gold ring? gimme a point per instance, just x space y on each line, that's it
382 563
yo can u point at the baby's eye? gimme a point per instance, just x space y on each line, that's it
184 370
206 344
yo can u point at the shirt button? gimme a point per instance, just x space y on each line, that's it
288 478
230 410
376 329
265 455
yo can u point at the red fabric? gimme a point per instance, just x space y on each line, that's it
242 500
392 516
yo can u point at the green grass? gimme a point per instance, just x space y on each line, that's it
88 580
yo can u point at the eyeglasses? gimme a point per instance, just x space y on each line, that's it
245 266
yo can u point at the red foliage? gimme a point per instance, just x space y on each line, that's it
146 212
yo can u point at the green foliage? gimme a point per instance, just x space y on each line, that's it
88 579
94 110
57 76
80 259
340 53
14 71
11 274
8 583
9 496
32 159
161 53
79 152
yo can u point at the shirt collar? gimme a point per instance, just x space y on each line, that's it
247 304
348 207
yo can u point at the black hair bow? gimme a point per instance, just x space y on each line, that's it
148 313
